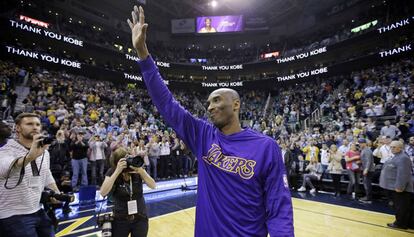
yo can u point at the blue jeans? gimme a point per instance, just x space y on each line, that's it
186 163
153 166
37 224
79 165
98 164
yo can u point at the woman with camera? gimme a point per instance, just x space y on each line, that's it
123 183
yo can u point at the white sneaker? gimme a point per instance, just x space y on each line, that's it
313 191
302 189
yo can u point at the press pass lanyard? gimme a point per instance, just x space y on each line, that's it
132 204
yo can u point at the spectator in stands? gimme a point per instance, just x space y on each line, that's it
154 151
324 157
390 131
176 154
78 153
59 154
142 151
12 99
97 156
335 168
344 147
311 150
287 158
404 128
383 151
353 166
5 133
165 151
409 149
315 174
396 177
185 159
368 168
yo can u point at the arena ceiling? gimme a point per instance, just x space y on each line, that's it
171 9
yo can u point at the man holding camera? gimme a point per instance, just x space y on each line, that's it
24 173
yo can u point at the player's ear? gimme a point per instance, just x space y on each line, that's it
236 105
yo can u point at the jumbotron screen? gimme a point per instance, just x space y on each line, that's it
216 24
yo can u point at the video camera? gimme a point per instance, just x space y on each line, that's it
136 161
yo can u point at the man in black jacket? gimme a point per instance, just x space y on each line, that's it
78 153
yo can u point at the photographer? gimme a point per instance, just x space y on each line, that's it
130 214
5 133
27 160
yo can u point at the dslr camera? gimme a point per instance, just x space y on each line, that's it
47 140
50 207
47 194
105 222
136 161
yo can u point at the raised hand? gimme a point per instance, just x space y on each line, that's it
139 32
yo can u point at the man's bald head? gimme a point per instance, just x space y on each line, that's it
224 107
227 92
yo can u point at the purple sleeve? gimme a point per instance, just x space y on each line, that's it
185 125
278 200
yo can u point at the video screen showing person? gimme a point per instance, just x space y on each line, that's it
214 24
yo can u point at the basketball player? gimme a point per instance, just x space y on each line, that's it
242 185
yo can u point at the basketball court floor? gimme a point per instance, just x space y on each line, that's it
172 214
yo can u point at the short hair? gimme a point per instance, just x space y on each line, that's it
21 116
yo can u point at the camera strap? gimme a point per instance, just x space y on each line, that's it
35 170
22 171
132 204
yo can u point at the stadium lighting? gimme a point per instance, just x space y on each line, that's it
214 3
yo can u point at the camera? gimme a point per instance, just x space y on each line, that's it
136 161
48 194
50 207
105 222
47 140
104 218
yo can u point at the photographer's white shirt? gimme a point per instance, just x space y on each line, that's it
23 199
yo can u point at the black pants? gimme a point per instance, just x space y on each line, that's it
163 166
336 182
402 204
368 185
293 180
137 228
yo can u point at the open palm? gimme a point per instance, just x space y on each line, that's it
139 31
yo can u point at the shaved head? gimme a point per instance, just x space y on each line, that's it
224 107
227 92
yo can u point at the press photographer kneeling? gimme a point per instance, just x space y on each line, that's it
24 174
123 183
